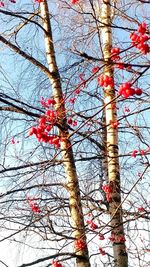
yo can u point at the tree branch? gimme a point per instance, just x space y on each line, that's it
26 56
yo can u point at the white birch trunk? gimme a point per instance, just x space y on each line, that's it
67 153
115 208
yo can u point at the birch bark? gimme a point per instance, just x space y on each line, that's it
115 208
66 149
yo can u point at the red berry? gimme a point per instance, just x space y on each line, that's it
114 124
48 128
74 123
39 1
95 69
143 38
51 102
56 264
130 92
77 91
134 37
145 49
112 238
1 4
141 209
134 153
69 121
49 113
138 91
72 100
105 80
101 251
127 109
93 225
120 66
101 237
126 85
74 1
121 239
80 244
114 53
42 120
142 28
142 152
32 131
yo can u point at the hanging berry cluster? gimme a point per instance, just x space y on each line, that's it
33 205
114 124
115 53
45 124
117 239
74 2
108 190
126 90
56 264
105 80
141 209
80 244
90 222
139 39
72 122
77 91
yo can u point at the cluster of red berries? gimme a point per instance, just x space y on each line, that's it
80 244
77 91
72 122
13 141
42 131
142 152
108 190
126 109
115 53
46 123
114 124
47 103
56 264
126 90
105 80
2 3
121 66
114 238
74 2
141 209
33 205
90 222
139 39
102 252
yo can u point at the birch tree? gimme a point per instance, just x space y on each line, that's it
75 132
